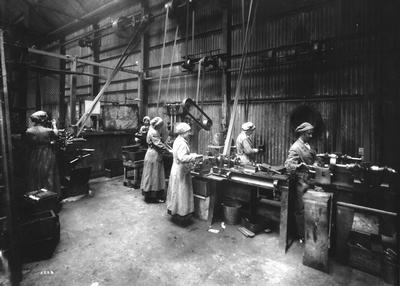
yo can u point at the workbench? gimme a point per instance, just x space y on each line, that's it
381 200
258 180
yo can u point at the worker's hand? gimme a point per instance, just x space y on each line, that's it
302 165
256 150
196 157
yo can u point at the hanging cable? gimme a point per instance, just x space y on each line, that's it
227 145
162 59
202 89
246 100
200 63
172 61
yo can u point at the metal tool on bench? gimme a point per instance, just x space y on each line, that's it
82 153
337 158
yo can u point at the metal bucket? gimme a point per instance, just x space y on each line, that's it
231 212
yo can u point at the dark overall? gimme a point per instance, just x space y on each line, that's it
299 153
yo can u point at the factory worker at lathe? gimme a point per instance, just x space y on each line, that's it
153 177
180 201
244 144
300 155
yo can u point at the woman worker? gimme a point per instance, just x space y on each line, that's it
42 166
141 135
300 155
244 144
153 177
180 190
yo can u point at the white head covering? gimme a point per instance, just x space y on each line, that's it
304 127
248 126
156 121
146 118
182 127
39 116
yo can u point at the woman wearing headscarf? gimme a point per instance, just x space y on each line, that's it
153 177
180 202
141 135
244 144
42 166
300 154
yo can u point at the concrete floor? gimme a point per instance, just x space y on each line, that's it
115 238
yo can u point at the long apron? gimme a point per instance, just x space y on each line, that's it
153 176
180 199
42 165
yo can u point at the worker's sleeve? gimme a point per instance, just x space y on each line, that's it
156 141
247 148
183 154
292 161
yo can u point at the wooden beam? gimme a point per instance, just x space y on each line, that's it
96 58
144 55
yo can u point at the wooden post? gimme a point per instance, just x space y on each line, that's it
72 96
7 173
96 70
96 58
142 103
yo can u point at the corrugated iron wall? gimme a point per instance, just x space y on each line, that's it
322 54
339 77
